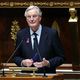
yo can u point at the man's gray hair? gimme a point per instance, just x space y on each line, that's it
31 8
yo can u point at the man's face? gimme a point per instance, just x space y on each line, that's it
33 19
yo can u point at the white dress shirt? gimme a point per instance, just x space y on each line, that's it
38 32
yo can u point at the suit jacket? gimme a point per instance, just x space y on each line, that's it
49 47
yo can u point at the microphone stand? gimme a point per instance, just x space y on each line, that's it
44 72
4 65
3 72
44 75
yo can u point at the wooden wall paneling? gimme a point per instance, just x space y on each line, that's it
74 32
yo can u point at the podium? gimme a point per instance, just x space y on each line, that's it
9 74
49 77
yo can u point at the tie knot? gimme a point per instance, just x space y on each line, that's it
35 34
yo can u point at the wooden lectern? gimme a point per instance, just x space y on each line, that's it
49 77
18 75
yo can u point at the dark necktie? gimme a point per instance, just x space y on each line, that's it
37 56
35 42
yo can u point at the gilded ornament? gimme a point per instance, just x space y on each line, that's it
14 29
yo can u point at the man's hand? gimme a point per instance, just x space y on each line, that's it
27 62
41 64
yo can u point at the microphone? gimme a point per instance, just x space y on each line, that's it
41 60
15 51
38 53
4 65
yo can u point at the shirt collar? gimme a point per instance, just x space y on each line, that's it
38 31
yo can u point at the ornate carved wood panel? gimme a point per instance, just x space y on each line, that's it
40 3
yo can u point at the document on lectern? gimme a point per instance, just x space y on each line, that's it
24 68
18 69
33 69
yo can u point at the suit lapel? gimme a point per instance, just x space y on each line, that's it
28 42
43 40
43 37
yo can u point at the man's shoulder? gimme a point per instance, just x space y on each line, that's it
49 29
23 30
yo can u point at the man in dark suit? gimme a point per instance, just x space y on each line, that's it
49 52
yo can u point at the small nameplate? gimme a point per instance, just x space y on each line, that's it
24 68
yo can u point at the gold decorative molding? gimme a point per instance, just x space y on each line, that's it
56 26
14 29
42 4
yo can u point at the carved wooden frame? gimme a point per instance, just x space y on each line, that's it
49 4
